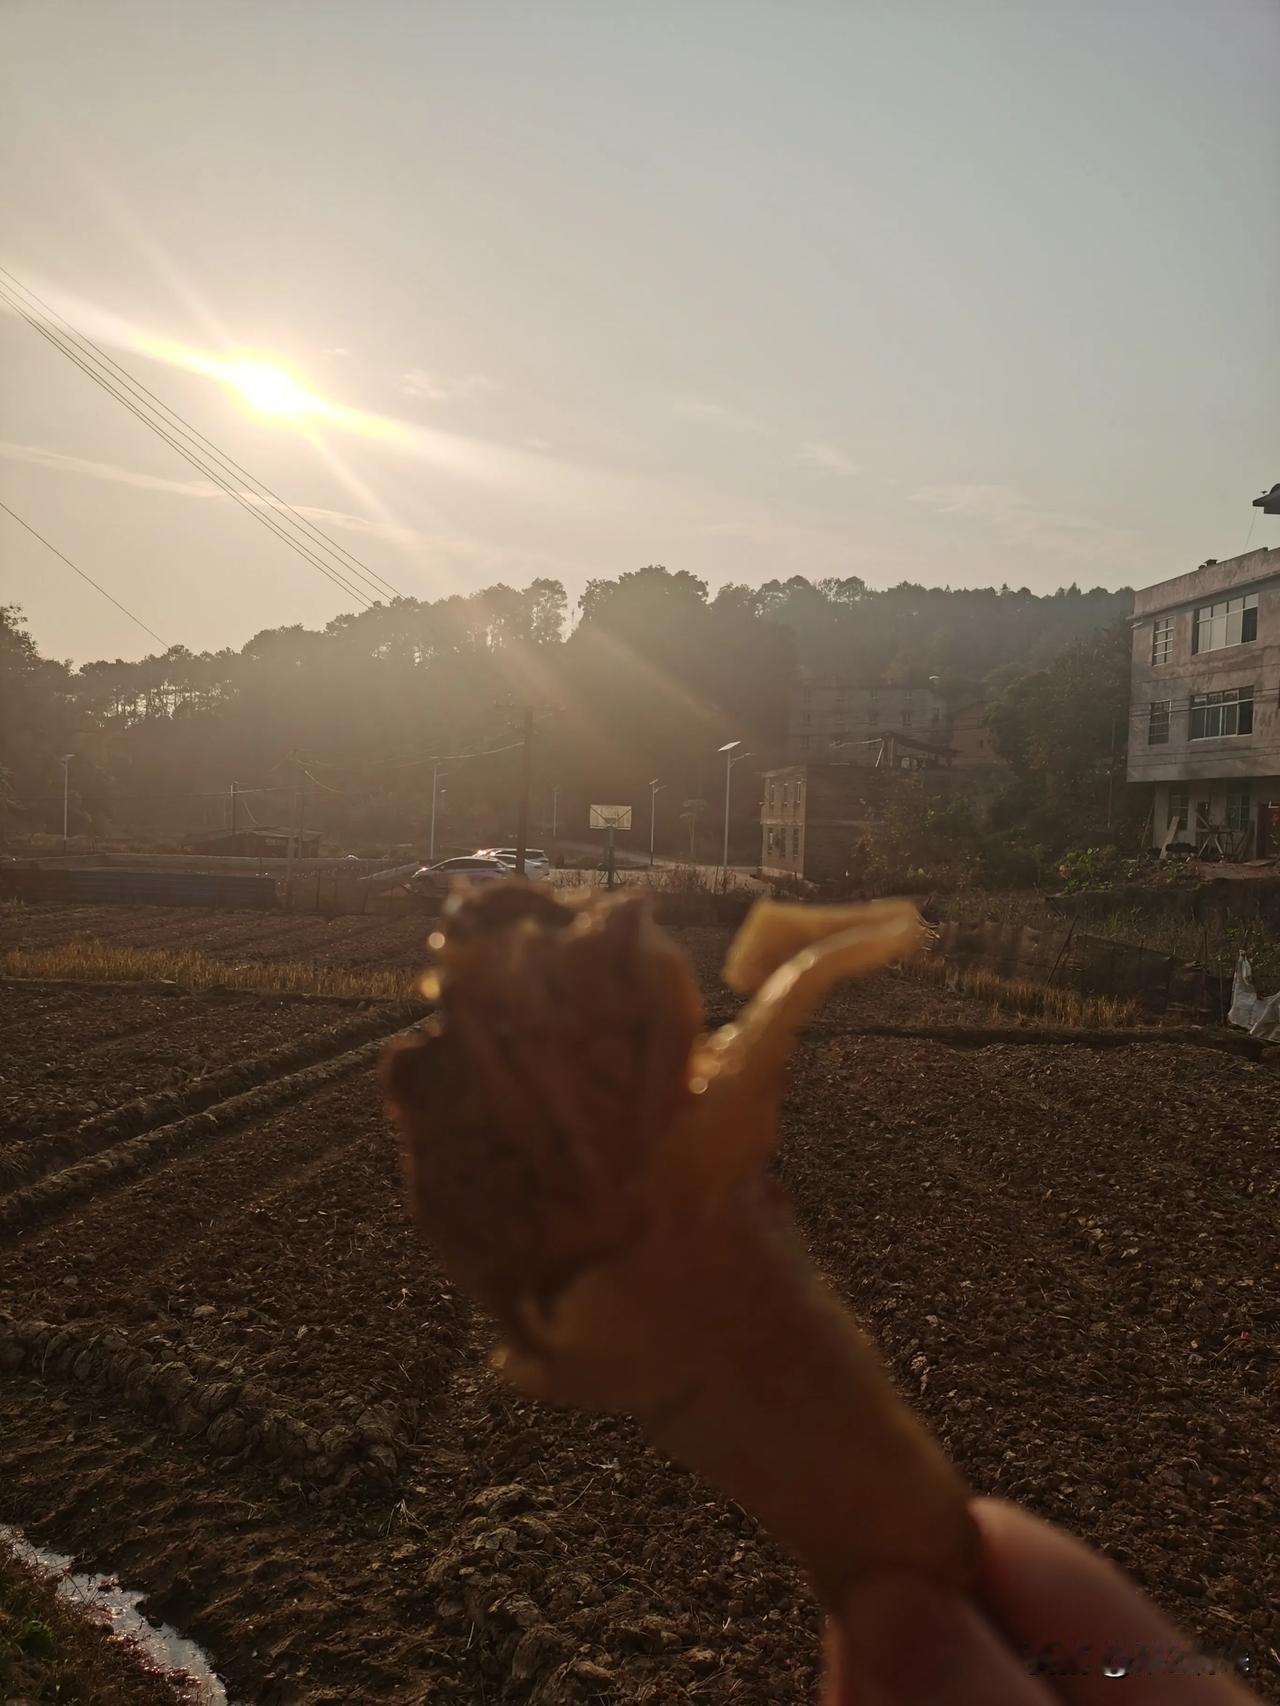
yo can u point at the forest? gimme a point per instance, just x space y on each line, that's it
644 678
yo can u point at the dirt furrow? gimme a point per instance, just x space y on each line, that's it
58 1191
23 1162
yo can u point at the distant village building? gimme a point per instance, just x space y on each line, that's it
258 842
969 737
846 722
852 717
851 746
1204 722
811 817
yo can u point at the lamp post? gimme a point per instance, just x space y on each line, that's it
655 788
65 761
730 759
555 811
436 774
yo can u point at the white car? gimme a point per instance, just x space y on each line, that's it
438 879
536 863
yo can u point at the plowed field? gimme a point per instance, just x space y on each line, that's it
230 1373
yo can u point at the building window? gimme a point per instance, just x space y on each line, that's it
805 718
906 719
1227 713
1161 639
799 792
1179 798
1230 622
907 692
1239 808
795 841
805 696
803 743
871 715
1158 723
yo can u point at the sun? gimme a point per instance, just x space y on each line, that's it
271 390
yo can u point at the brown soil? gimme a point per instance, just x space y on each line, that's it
231 936
73 1054
1069 1256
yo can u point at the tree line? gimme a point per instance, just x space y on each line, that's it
644 678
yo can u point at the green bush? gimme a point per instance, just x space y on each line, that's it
1088 868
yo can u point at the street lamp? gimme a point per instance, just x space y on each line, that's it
65 761
436 774
655 788
730 759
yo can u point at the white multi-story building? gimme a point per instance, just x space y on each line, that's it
1205 706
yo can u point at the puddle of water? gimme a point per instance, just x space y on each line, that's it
103 1598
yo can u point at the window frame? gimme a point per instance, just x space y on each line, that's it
1181 815
1228 618
1161 641
1237 700
1158 719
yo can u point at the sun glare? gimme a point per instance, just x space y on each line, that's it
271 390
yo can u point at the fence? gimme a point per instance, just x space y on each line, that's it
1095 965
155 888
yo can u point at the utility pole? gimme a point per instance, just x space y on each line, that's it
731 757
436 774
655 788
526 775
65 762
555 811
1111 772
288 840
233 808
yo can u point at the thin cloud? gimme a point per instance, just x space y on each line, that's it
37 456
437 388
1009 513
493 557
826 458
704 409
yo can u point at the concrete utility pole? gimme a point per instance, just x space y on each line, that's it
233 808
288 840
555 812
655 788
436 774
730 759
65 762
526 775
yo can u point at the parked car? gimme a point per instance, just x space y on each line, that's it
536 863
475 868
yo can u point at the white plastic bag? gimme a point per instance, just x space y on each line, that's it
1251 1012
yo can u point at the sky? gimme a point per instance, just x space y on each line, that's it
907 289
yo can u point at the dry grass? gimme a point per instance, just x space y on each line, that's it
1037 1000
99 962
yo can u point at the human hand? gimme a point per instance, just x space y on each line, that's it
1051 1622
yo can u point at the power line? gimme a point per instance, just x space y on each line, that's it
203 443
110 375
84 577
200 466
